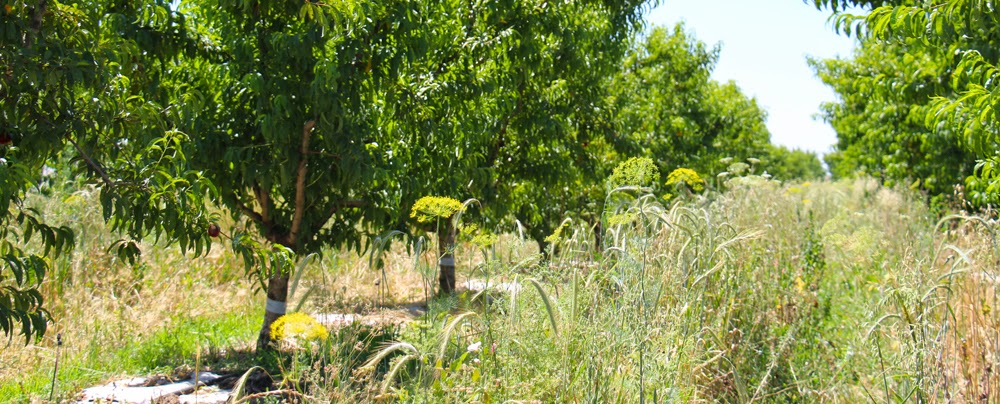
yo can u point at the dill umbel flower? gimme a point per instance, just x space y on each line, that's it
431 208
298 327
688 177
636 171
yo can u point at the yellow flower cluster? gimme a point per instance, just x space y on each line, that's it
431 208
557 234
688 177
478 236
636 171
298 326
484 239
622 219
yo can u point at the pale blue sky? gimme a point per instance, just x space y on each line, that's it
764 49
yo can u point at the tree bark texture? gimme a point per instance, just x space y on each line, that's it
277 298
446 252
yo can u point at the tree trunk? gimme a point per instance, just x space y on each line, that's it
544 247
598 237
446 252
277 285
277 296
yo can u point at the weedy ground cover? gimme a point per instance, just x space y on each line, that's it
766 292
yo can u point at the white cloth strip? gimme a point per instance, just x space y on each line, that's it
275 307
448 261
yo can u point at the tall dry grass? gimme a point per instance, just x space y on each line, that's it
765 292
825 292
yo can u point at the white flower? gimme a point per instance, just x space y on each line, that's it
474 347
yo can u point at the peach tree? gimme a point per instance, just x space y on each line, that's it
85 81
319 123
322 123
931 69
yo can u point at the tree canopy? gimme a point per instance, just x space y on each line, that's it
320 124
932 66
791 164
660 103
672 111
87 79
886 135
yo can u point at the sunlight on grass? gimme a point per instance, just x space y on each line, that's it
842 291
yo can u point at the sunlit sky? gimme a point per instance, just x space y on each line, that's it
764 49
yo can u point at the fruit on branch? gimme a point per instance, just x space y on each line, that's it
214 230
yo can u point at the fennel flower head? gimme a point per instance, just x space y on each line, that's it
298 327
688 177
636 171
479 236
431 208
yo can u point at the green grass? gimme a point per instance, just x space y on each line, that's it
209 340
767 292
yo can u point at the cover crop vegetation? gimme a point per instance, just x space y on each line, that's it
844 291
638 236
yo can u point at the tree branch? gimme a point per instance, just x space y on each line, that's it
300 184
93 164
256 217
264 199
324 154
350 203
37 17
